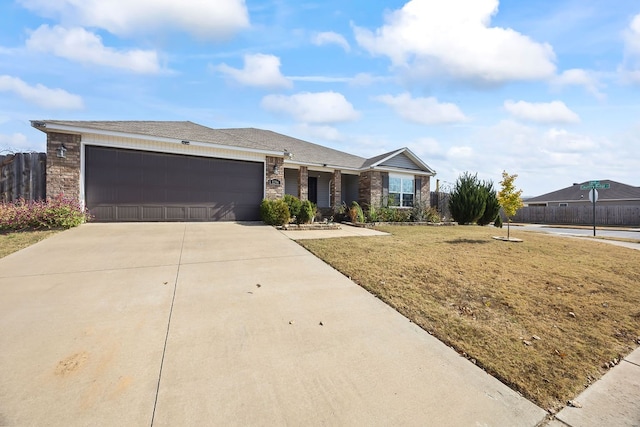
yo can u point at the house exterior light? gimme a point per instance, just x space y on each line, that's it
61 151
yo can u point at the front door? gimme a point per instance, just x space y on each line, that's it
313 189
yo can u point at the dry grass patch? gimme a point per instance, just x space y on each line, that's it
11 242
545 316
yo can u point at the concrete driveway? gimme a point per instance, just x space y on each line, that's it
218 324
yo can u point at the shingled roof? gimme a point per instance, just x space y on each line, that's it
256 139
250 138
616 191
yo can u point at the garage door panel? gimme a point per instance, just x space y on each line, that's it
127 185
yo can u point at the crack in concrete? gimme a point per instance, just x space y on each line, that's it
166 338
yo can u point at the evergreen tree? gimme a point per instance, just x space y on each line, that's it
492 205
467 200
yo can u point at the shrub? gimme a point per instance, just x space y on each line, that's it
498 221
433 215
59 212
340 213
307 212
355 213
294 205
274 212
373 214
467 200
492 205
422 212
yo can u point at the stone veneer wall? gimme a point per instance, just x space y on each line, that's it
425 190
303 183
370 189
63 174
336 189
274 191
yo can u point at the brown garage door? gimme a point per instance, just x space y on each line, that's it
130 185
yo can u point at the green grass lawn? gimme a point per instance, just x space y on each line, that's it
545 316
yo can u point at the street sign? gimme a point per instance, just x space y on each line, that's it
593 187
595 184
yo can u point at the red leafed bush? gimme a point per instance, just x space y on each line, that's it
59 212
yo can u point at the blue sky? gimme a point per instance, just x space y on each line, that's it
548 90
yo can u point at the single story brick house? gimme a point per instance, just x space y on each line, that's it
182 171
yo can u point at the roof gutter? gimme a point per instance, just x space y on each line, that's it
44 127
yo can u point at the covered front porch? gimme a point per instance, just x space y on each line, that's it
327 188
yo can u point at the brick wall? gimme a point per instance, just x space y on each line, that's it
425 190
370 189
63 174
274 184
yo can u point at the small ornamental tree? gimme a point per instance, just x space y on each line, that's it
467 200
509 197
492 205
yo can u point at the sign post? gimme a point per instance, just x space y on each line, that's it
593 188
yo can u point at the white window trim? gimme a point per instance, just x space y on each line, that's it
402 177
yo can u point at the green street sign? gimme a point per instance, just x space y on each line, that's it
595 184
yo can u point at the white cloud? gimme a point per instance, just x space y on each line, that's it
579 77
561 141
630 68
211 20
259 70
40 95
359 80
323 132
454 39
460 153
329 37
425 111
80 45
544 159
307 107
541 112
366 79
427 149
18 143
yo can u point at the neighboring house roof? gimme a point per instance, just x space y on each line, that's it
303 152
616 191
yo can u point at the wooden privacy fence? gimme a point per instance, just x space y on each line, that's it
440 201
23 175
628 215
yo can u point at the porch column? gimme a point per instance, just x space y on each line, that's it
303 183
274 178
336 189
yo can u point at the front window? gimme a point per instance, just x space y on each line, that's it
401 191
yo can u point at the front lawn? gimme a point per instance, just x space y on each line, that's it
13 241
545 316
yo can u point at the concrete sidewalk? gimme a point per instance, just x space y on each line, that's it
612 401
219 324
